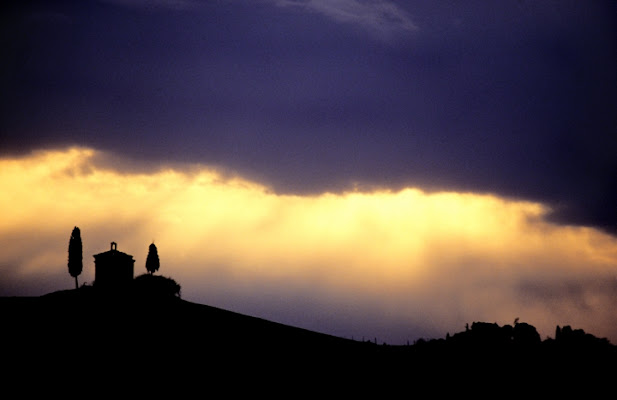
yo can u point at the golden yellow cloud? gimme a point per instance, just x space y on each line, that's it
406 257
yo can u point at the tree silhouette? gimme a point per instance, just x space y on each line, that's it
75 255
152 262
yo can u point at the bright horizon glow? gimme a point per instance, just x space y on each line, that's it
393 265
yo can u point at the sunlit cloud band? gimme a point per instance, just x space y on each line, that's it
397 265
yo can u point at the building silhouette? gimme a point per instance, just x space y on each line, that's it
113 268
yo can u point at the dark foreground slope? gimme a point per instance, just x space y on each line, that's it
110 340
106 325
145 342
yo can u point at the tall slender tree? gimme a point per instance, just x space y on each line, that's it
75 255
152 262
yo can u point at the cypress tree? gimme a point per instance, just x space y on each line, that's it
75 255
152 262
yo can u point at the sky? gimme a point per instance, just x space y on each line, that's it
384 170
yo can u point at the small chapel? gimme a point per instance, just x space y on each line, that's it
113 268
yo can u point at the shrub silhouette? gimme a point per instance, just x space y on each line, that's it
75 262
578 338
149 285
525 334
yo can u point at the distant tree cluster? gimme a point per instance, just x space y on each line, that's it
490 339
492 334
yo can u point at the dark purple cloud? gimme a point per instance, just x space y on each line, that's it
515 98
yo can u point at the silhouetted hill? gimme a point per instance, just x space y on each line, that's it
145 335
142 319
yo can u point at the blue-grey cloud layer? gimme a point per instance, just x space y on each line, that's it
515 98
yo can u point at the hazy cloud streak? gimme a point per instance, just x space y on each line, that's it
168 4
383 18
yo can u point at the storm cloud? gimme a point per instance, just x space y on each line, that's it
516 99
